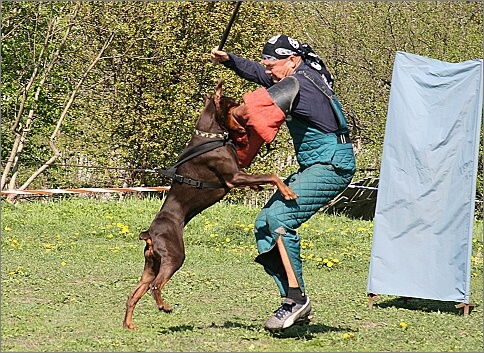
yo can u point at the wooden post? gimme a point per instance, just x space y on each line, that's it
466 307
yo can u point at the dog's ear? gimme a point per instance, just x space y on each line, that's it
218 88
206 98
218 98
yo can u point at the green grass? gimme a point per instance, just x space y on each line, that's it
68 266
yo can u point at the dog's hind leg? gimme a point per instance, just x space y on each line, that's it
156 292
167 270
152 266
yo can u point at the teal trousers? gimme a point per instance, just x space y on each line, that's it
315 186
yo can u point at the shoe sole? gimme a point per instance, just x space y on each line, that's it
302 321
306 320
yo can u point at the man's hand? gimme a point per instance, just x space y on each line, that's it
217 56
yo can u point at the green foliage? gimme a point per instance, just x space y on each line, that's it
68 266
358 42
138 105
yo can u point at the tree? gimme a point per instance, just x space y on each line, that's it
40 64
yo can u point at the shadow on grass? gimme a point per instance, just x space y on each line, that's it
426 305
307 332
297 331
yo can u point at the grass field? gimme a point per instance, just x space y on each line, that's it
68 266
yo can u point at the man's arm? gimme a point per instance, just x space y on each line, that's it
247 69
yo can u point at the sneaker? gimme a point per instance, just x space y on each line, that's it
288 314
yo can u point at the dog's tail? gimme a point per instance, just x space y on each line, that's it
145 235
149 244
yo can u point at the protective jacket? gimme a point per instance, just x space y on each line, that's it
327 164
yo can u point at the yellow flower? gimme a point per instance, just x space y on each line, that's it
63 263
227 240
319 259
329 264
8 229
403 325
348 335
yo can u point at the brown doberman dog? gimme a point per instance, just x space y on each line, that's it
219 170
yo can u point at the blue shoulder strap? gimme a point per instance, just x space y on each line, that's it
333 99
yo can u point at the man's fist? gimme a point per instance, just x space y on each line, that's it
217 56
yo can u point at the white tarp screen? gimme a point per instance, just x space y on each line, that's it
423 225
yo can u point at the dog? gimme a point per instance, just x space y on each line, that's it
202 178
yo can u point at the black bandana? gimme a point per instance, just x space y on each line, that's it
282 46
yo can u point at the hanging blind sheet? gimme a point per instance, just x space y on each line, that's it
423 225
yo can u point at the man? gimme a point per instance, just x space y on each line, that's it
323 150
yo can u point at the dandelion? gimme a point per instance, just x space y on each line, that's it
403 325
63 263
329 264
48 247
227 240
7 229
348 335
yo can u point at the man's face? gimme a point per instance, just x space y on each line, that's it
278 69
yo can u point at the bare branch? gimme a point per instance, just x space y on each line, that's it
57 129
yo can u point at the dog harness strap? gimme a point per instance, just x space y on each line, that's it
197 150
189 154
171 173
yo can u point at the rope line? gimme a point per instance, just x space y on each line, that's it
85 190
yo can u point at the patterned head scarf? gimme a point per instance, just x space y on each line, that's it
282 46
